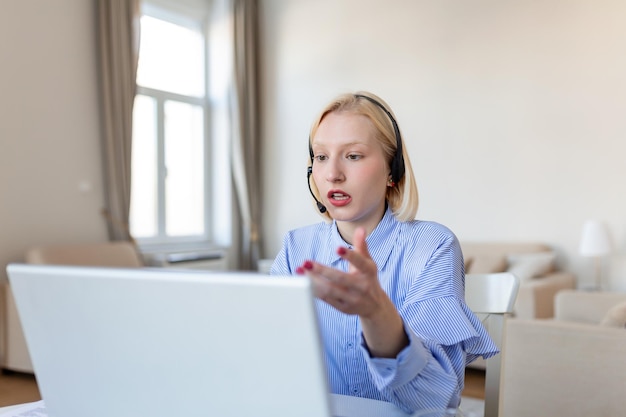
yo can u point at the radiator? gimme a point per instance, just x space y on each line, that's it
214 261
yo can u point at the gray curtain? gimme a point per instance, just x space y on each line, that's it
246 131
118 38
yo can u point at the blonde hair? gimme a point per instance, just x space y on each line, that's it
403 197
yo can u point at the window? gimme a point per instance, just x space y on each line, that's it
172 150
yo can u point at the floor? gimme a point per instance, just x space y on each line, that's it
17 388
474 383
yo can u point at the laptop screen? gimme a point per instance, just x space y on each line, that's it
162 343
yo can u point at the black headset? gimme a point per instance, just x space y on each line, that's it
397 162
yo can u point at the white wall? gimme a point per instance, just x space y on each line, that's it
49 126
513 111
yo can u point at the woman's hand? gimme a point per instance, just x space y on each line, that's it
359 292
355 292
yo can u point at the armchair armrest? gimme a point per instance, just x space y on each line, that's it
585 306
535 298
557 368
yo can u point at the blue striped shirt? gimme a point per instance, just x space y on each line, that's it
420 267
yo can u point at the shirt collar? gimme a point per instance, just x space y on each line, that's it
379 243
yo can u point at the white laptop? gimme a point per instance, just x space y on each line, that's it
111 342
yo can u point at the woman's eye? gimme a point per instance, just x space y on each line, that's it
354 157
320 157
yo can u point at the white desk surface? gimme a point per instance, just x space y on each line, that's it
343 406
34 409
347 406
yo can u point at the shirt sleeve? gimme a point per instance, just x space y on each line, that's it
421 376
444 335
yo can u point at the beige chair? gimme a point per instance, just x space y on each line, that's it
108 254
492 297
112 254
573 365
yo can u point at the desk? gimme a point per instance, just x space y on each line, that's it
343 406
347 406
33 409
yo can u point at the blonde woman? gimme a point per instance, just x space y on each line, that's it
390 289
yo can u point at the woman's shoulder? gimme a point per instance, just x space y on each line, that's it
428 228
308 242
311 229
311 232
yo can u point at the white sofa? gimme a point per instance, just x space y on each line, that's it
573 365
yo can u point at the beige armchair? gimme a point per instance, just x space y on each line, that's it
534 263
111 254
573 365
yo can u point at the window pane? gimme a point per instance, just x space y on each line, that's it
143 201
171 58
184 153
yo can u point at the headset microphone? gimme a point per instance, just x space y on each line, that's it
320 206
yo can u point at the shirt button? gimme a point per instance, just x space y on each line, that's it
350 345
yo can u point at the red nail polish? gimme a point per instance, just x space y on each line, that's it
300 270
341 250
308 265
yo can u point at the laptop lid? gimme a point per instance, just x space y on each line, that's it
129 342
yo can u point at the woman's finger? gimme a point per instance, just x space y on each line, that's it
359 258
327 273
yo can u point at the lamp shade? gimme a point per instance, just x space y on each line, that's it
595 239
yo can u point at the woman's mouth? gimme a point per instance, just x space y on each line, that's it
338 198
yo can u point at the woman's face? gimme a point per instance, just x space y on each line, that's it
350 170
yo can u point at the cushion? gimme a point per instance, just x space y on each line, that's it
487 264
530 265
468 263
615 317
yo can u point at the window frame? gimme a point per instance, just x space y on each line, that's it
215 235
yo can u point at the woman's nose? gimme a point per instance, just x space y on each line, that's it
334 172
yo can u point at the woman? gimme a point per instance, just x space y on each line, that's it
391 307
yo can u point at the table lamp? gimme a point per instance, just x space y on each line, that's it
595 243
